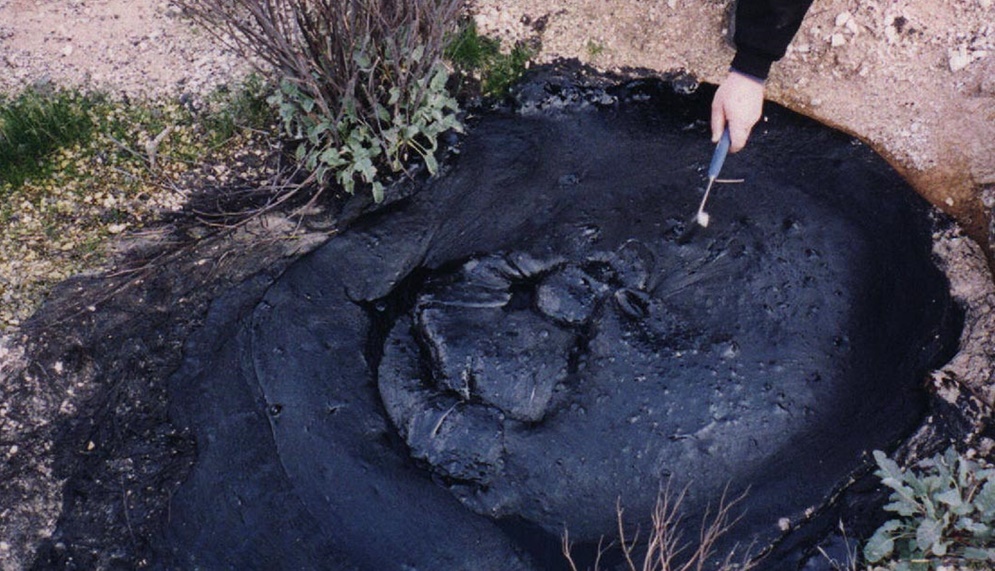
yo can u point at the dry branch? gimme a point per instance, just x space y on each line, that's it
666 550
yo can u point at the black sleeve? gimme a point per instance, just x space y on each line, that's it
764 29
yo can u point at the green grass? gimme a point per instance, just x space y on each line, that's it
37 123
481 59
77 169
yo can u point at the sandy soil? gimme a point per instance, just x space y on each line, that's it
916 80
133 47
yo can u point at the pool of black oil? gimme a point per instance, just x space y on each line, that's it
525 345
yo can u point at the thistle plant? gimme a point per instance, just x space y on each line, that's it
945 515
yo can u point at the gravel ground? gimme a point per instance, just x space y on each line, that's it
130 47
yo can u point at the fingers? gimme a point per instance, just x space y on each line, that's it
738 136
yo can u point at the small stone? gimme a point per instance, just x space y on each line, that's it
986 4
672 4
837 40
67 51
842 18
949 201
784 524
958 59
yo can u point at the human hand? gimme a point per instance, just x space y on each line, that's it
738 103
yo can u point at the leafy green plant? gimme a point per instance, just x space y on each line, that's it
481 59
35 124
361 83
946 514
357 146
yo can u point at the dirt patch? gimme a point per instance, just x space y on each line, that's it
140 48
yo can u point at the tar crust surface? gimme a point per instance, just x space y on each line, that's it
526 341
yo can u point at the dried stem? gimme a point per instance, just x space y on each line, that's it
665 549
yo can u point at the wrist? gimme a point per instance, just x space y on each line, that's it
750 63
758 80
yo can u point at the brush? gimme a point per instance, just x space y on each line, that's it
718 158
701 219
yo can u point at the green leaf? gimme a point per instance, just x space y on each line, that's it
439 79
332 158
417 53
882 543
381 113
950 497
431 164
973 527
362 60
940 548
928 534
378 192
985 500
888 467
976 554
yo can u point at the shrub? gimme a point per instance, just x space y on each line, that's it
946 514
361 82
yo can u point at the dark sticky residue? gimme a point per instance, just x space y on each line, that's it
555 350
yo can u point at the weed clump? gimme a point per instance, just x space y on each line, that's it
361 82
946 515
480 60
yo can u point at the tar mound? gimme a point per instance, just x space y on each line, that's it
526 342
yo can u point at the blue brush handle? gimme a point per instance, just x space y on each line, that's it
719 157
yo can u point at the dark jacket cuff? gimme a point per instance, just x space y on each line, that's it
752 63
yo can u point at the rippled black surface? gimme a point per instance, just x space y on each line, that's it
509 352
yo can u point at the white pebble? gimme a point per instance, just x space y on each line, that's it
958 59
703 219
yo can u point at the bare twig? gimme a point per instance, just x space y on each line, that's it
665 549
